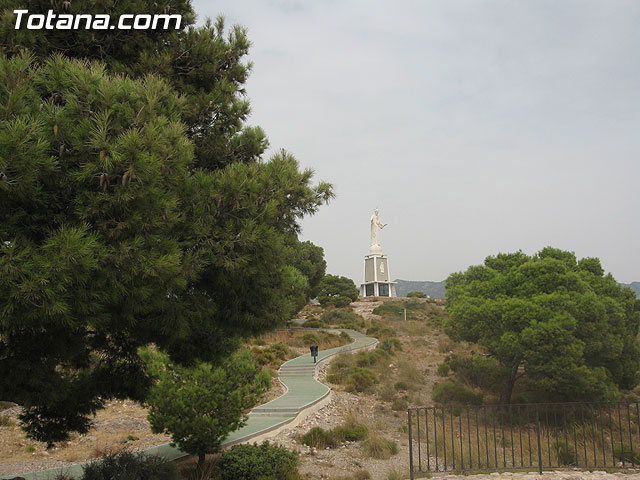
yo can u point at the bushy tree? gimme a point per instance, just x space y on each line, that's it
337 291
416 295
114 235
200 405
561 323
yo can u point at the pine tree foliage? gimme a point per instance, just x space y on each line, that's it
562 325
114 236
200 405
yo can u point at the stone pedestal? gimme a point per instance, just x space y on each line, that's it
377 279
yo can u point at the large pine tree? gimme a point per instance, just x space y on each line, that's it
134 209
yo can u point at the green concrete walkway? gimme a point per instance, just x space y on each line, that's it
303 391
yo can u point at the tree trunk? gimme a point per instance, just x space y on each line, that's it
200 467
505 397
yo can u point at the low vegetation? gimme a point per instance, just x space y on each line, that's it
257 462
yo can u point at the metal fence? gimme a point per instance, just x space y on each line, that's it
527 436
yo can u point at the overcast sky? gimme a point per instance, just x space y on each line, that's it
476 127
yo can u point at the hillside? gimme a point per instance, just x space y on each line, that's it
432 289
437 289
635 286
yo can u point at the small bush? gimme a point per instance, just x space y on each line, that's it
259 341
349 431
380 331
399 404
445 345
6 421
345 336
129 466
449 392
391 345
376 446
416 295
320 438
29 449
628 455
401 385
565 453
479 371
272 355
257 462
387 393
361 380
310 339
444 369
313 323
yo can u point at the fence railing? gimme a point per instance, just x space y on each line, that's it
527 436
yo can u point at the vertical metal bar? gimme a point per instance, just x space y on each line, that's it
539 443
426 433
495 443
410 446
546 412
461 444
555 423
529 436
504 451
566 430
486 435
419 443
621 437
513 453
613 455
444 437
593 434
584 435
630 438
469 438
453 443
478 437
520 434
435 436
575 434
604 448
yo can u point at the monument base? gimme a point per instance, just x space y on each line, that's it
377 279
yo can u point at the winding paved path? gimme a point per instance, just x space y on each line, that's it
303 391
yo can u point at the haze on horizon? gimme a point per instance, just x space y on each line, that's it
475 127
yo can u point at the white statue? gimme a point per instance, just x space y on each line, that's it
376 226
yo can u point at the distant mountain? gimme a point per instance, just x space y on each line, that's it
635 286
437 289
432 289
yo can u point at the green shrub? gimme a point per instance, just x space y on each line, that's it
6 421
390 345
416 295
345 336
444 369
390 310
310 339
272 355
449 392
376 446
129 466
380 332
259 341
565 453
361 380
401 385
313 323
374 357
319 438
257 462
399 404
353 433
628 455
387 393
343 318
